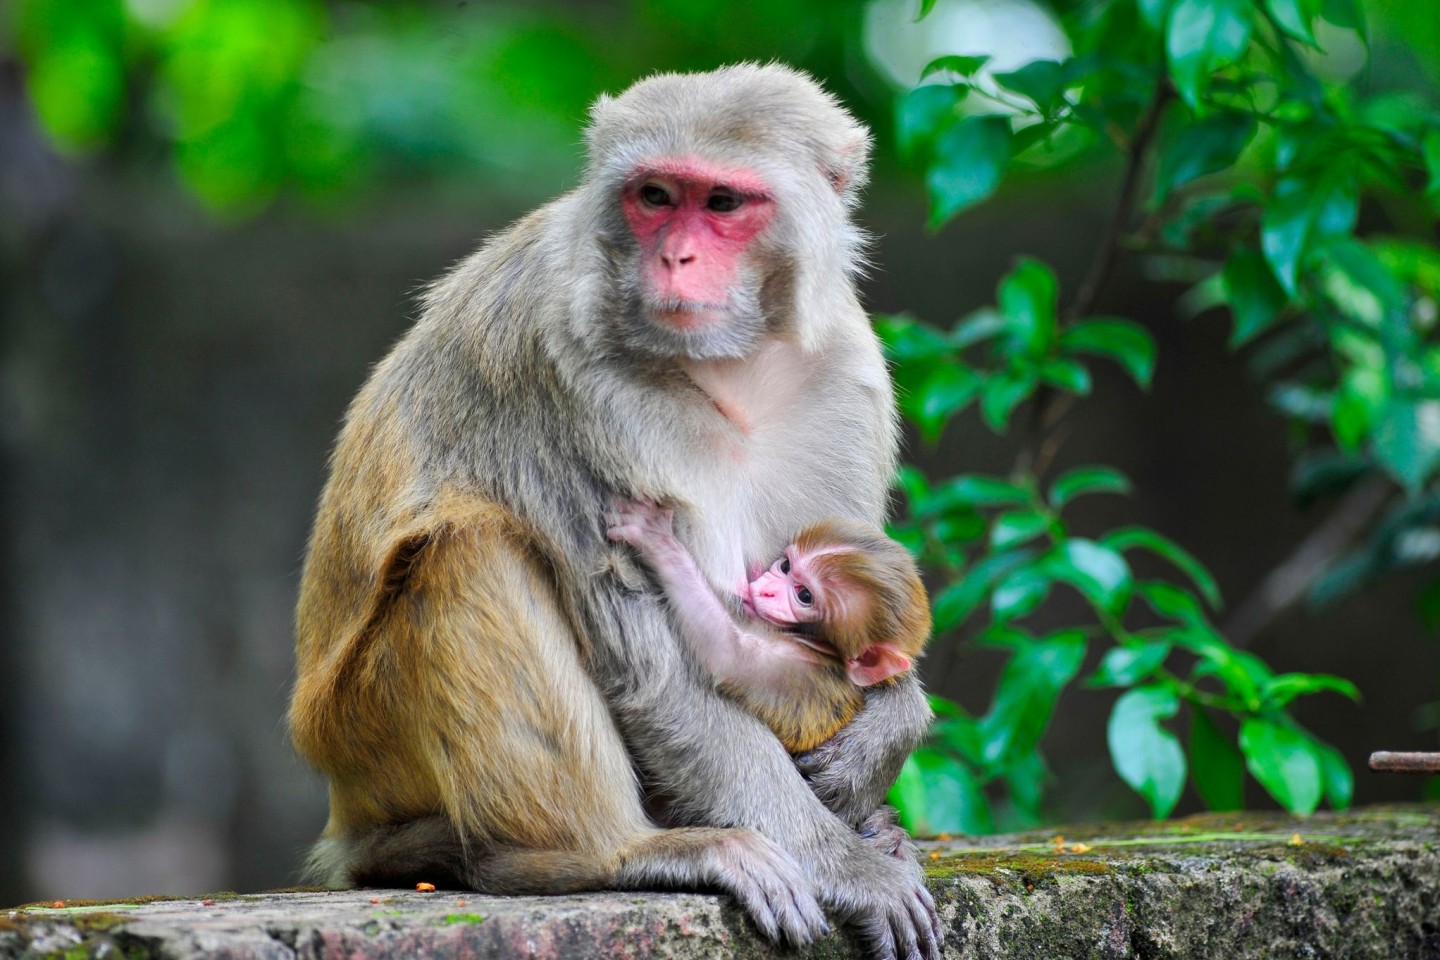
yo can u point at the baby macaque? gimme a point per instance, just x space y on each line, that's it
842 608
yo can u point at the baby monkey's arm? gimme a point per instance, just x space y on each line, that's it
731 652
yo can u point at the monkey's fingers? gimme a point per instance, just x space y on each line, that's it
621 532
878 934
908 938
774 891
783 907
927 924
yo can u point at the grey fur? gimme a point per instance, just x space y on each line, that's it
558 396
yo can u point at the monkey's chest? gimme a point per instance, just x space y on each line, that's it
786 441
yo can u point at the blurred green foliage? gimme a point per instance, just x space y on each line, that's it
1250 172
252 99
1253 167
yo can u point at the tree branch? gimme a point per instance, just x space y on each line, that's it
1049 405
1287 584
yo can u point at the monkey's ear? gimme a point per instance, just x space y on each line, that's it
877 662
848 169
601 104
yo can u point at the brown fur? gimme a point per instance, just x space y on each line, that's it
872 593
479 671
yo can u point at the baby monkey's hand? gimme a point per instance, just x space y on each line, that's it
645 525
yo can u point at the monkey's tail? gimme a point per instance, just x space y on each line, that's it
394 855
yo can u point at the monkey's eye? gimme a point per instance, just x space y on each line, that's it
784 564
804 595
723 201
655 195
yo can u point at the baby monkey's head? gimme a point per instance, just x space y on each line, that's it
852 593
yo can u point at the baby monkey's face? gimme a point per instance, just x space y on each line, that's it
785 594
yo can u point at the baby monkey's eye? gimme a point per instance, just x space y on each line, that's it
804 595
655 195
784 564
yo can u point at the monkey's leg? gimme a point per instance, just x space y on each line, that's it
496 762
720 764
765 879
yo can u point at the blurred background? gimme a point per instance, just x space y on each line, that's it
214 216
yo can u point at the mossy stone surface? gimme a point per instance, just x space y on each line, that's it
1362 884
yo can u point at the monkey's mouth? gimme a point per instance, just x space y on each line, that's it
688 315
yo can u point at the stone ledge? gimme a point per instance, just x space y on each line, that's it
1360 884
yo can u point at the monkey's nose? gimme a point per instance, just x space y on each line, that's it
672 260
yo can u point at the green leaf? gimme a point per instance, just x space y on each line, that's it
1027 297
1123 341
960 66
1146 755
1279 756
1220 660
1345 13
1133 538
1026 694
1204 146
1019 594
1016 527
975 327
1362 285
1430 148
1427 605
1325 473
912 481
1216 767
1086 480
922 113
936 793
908 536
975 490
1303 402
1002 393
970 158
1127 666
1067 375
1286 687
907 339
1407 440
1296 17
1155 12
1300 212
925 7
948 389
955 730
958 601
1100 573
958 527
1201 36
1254 296
1171 601
1041 81
1339 781
1025 779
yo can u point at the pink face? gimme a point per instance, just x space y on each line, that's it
783 594
694 222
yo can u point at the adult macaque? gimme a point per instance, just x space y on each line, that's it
483 676
842 608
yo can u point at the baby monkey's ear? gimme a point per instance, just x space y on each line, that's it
877 662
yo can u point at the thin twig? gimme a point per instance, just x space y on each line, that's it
1288 583
1386 761
1109 251
1049 405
